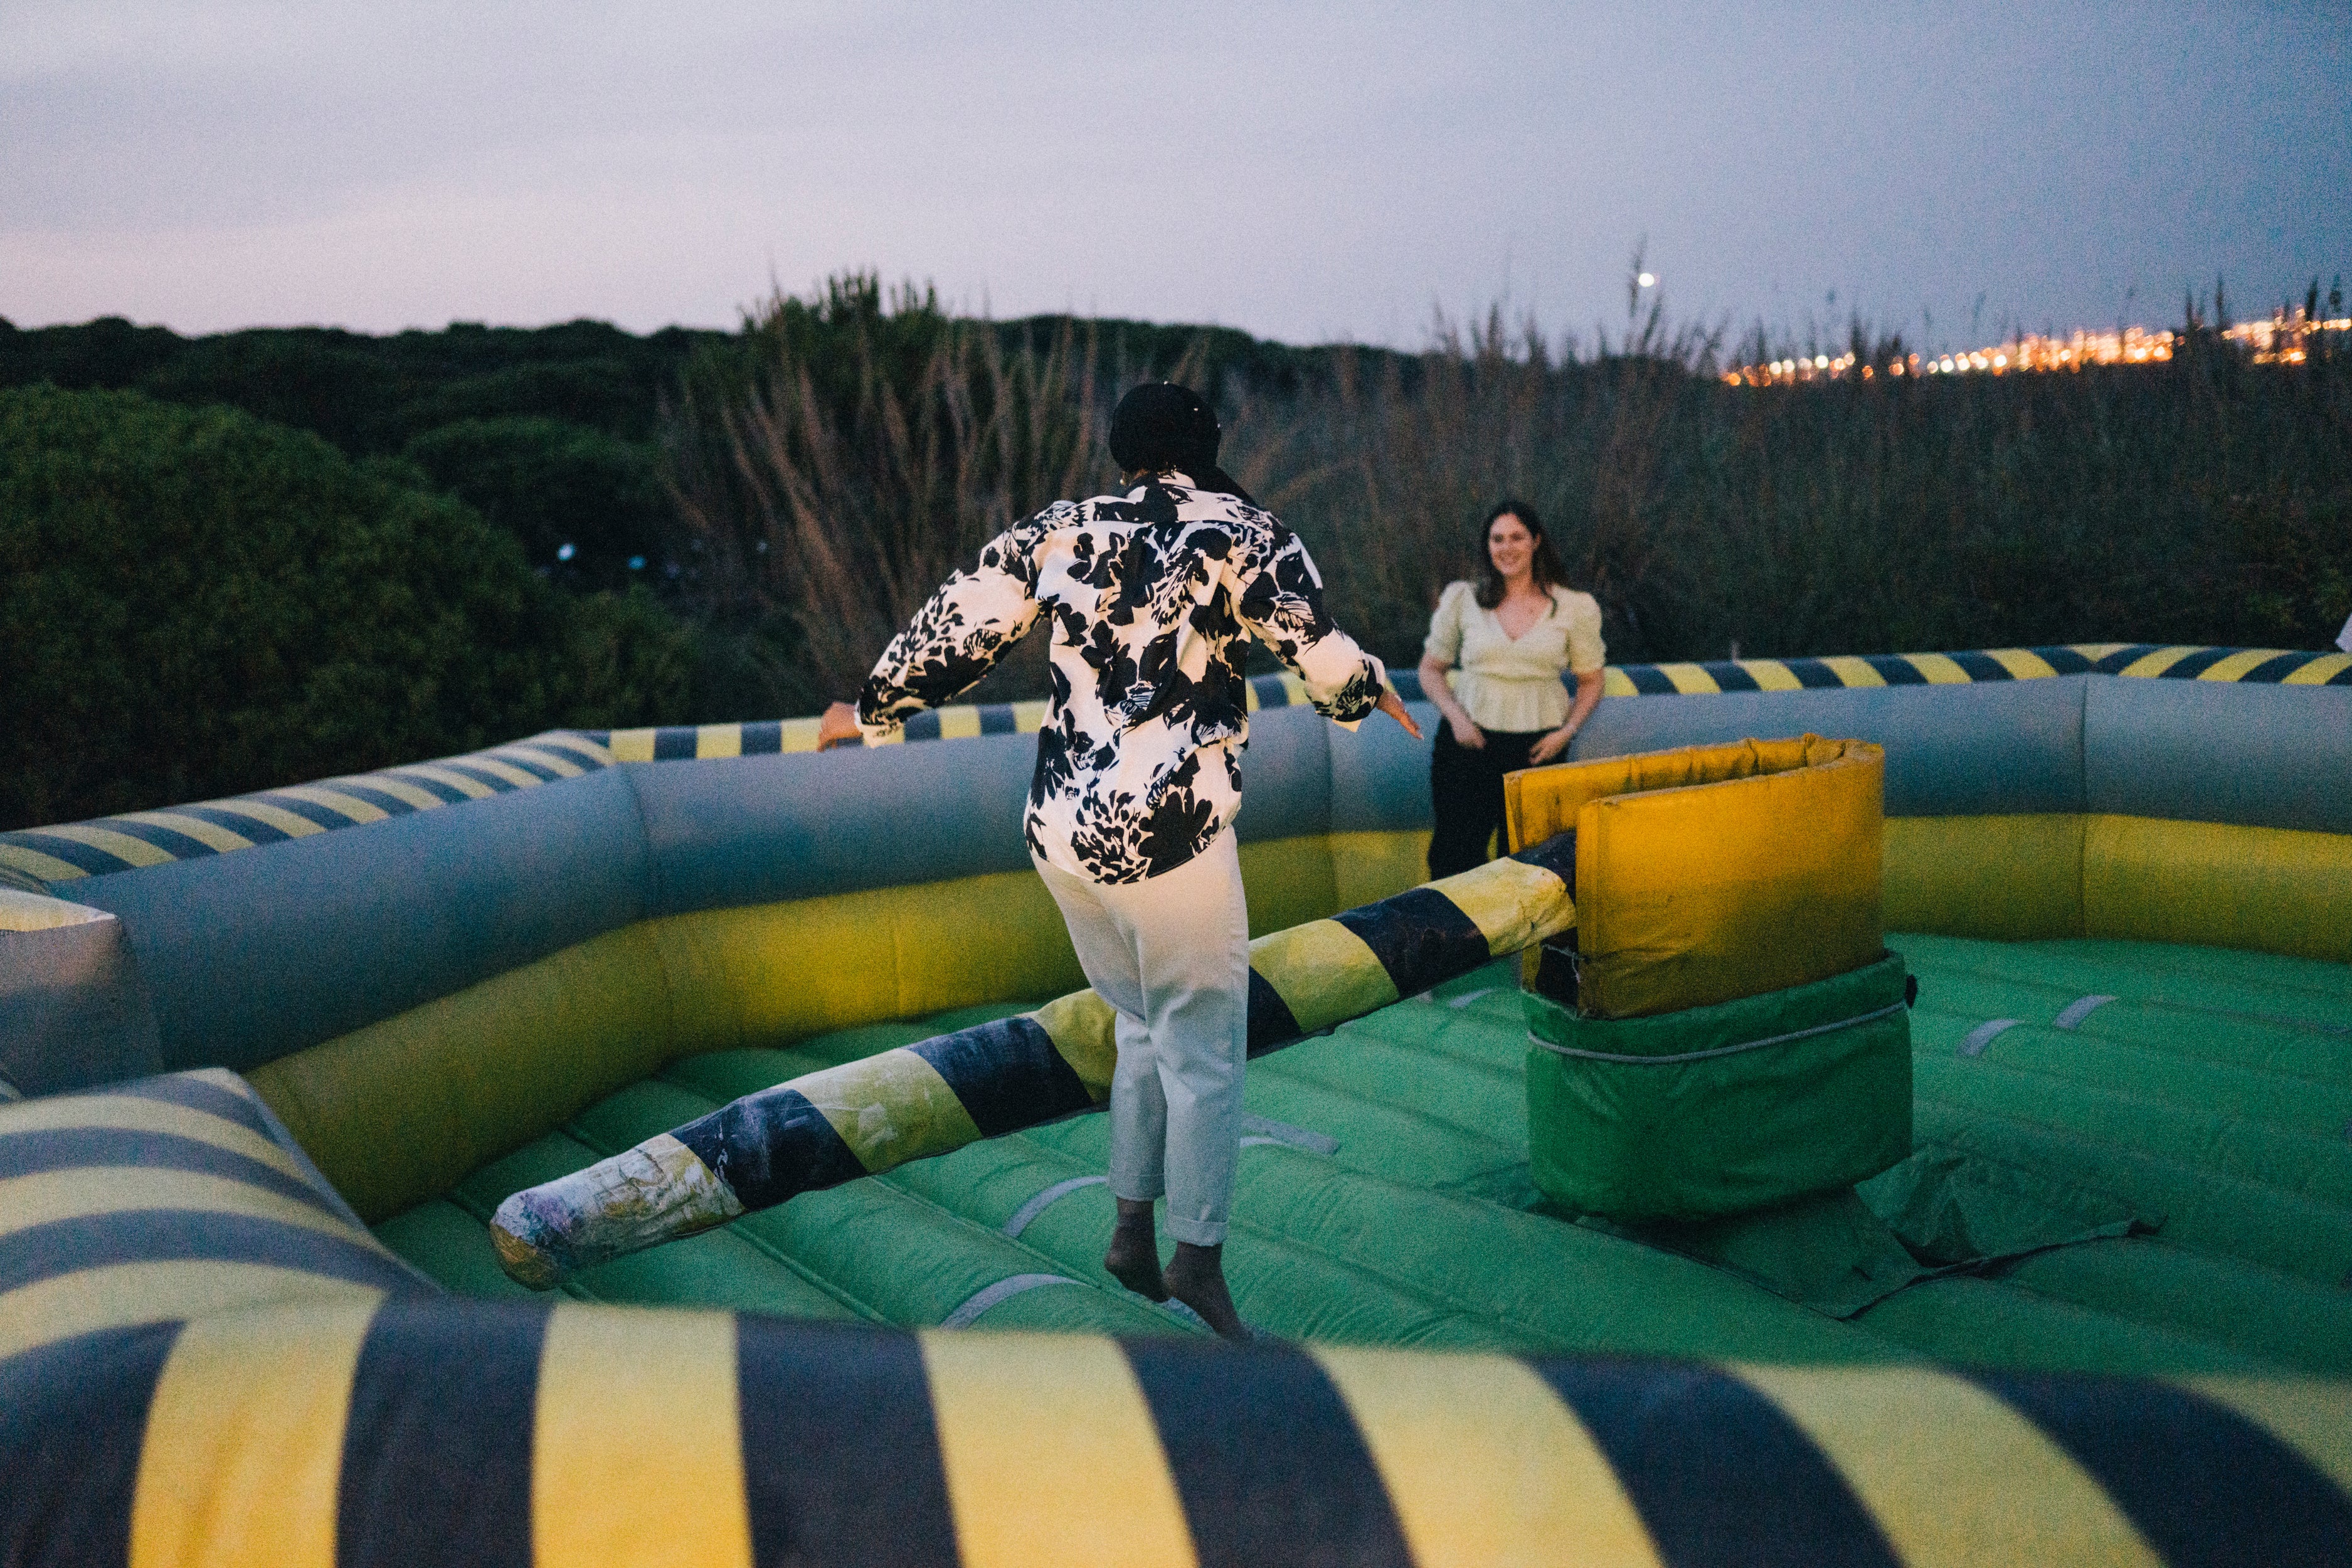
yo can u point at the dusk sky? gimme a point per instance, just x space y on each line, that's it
1305 172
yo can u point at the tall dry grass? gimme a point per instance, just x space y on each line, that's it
875 444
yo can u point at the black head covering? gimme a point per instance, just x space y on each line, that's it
1161 424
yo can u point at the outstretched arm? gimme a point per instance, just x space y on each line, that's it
1281 603
954 639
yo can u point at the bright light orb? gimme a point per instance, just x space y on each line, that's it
1647 279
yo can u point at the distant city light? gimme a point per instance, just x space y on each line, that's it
1647 280
563 553
636 563
2284 339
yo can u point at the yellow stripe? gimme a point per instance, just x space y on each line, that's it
1513 904
2156 663
399 789
1323 971
211 834
497 767
277 816
561 766
890 1109
2022 664
1690 679
719 740
1953 1475
1249 697
1028 718
1771 675
1853 672
2320 671
122 846
125 1295
1484 1465
243 1451
88 1192
799 734
472 787
1616 682
1052 1459
1940 670
632 745
336 801
1083 1028
959 723
2238 663
33 863
638 1452
2312 1418
132 1114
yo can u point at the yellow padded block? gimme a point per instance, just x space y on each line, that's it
2000 878
2271 890
1709 873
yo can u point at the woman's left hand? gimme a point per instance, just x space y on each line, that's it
837 728
1550 746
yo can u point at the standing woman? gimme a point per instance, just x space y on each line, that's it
1510 635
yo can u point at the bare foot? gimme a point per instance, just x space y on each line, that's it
1134 1257
1197 1278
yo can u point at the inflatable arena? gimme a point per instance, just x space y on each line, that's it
1886 1110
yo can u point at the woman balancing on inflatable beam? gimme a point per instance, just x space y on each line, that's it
1137 779
866 1116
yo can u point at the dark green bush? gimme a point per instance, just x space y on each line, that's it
551 483
194 602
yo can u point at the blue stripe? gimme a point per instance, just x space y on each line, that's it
763 737
2064 660
997 719
2116 662
178 846
375 795
1421 937
82 1148
2342 677
196 1094
324 815
1408 684
42 1252
2271 671
1271 1023
1730 677
1648 681
1982 667
243 827
96 862
1813 675
539 771
830 1414
1716 1471
1266 1461
73 1421
2201 1484
675 743
1007 1074
2195 664
435 1471
771 1146
478 772
923 726
1895 670
446 793
1271 691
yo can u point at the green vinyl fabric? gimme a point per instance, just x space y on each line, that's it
1715 1110
1387 1194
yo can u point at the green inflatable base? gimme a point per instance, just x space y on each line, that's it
1721 1110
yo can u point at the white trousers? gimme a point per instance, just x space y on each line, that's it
1170 954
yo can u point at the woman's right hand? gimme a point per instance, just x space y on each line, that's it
1467 733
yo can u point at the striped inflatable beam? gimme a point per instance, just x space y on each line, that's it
503 1436
40 859
866 1116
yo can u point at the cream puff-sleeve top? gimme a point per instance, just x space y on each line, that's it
1513 684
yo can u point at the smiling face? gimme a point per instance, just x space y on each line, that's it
1510 546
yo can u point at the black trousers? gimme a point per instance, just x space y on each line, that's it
1466 794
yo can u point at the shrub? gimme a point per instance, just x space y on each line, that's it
194 602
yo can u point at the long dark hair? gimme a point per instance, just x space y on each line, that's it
1543 566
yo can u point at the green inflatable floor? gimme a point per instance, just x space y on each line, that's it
2131 1158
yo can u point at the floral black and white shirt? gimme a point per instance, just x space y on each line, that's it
1149 595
